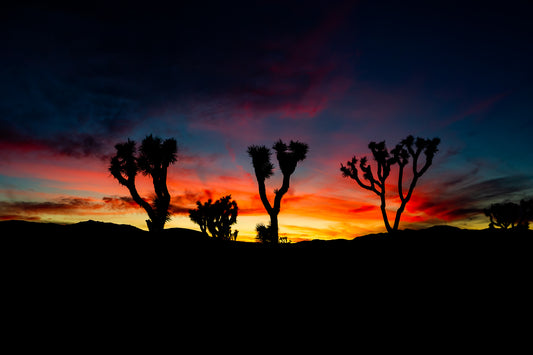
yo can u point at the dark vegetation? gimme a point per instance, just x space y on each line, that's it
288 157
152 159
216 218
407 149
510 215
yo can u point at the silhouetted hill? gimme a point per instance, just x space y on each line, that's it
98 235
438 244
437 241
89 228
436 236
107 255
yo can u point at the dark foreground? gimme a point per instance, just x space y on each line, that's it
92 270
92 239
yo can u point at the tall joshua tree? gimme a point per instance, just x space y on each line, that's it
406 149
153 159
288 157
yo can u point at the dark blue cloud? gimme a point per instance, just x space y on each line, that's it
105 69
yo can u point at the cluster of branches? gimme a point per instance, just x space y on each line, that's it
216 218
152 159
510 215
408 149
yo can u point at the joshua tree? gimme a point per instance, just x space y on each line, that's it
503 215
407 148
153 159
526 215
510 215
288 157
217 217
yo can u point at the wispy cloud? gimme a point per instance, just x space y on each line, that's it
451 201
33 210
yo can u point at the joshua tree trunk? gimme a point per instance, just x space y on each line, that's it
156 223
384 213
274 229
272 212
162 201
277 206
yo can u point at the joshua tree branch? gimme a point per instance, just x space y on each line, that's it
400 182
370 187
281 192
425 167
140 201
262 194
352 172
384 212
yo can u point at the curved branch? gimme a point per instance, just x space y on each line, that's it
263 196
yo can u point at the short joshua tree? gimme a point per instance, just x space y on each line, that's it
216 218
510 215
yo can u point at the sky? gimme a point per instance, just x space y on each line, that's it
75 79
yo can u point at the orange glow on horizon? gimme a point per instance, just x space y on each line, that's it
320 204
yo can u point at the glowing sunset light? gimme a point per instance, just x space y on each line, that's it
219 78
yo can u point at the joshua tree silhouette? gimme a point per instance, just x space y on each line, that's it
217 217
153 159
288 157
400 155
510 215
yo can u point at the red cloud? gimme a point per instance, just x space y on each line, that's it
475 109
302 80
30 210
364 208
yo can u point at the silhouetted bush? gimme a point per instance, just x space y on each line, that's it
510 215
216 218
265 234
407 148
153 159
526 208
288 157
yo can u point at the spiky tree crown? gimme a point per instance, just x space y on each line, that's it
260 155
123 165
289 156
155 154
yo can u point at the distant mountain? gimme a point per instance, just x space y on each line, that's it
91 228
439 239
48 230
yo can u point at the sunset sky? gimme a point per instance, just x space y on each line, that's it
220 76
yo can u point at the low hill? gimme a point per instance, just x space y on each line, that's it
436 235
94 234
86 229
113 252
